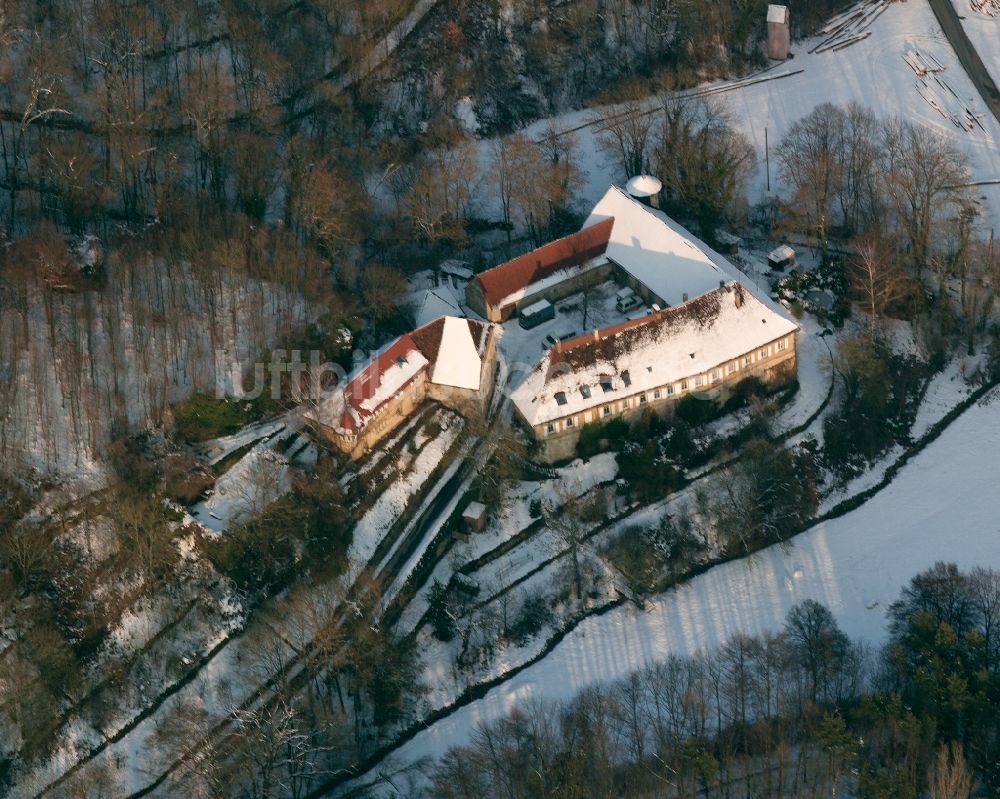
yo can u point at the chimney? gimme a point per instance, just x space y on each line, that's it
684 297
739 297
597 335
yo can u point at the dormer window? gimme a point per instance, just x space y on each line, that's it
626 378
400 360
585 392
560 397
606 384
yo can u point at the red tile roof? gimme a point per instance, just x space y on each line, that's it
366 383
573 250
426 340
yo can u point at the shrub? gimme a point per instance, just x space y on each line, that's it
696 411
530 620
589 442
441 620
254 558
204 417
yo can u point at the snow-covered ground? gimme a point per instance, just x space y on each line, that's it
983 31
872 72
377 521
944 505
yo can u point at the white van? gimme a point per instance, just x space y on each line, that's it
626 300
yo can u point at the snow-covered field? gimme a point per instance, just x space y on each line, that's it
944 505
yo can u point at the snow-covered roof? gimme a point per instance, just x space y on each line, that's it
643 186
460 269
548 265
642 354
458 360
777 13
435 303
782 253
474 510
656 255
449 349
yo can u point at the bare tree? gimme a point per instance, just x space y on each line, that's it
571 518
438 196
703 161
623 133
924 177
949 776
876 279
809 164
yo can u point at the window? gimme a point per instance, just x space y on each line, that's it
781 344
670 390
569 421
684 385
551 428
607 410
656 394
606 384
763 352
698 380
560 398
626 378
716 375
747 359
585 392
627 404
732 367
642 399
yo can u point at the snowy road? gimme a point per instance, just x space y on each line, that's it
945 505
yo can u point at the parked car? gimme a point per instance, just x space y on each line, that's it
627 303
559 335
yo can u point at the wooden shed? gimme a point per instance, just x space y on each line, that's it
780 258
779 38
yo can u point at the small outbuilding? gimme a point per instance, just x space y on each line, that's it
459 272
778 35
474 517
781 258
728 244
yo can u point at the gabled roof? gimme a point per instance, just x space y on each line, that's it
449 348
502 284
642 354
656 255
384 377
454 348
